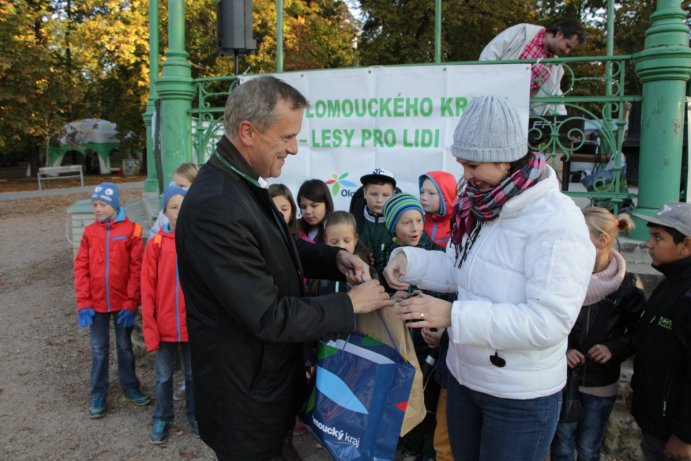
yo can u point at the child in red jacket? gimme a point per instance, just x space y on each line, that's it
106 284
164 318
437 194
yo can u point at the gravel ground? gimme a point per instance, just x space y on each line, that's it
44 379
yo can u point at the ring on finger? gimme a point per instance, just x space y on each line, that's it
422 315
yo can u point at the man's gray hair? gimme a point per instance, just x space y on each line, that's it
255 101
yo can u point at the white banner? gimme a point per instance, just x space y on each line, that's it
397 118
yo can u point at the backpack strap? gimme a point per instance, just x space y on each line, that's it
156 243
137 231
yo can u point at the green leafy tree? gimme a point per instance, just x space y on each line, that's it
105 45
31 86
402 31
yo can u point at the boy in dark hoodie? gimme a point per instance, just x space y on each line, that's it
662 366
377 187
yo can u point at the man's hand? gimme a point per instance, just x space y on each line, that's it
574 358
355 269
677 448
395 270
425 311
600 353
368 297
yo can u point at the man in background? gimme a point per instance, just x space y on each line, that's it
528 41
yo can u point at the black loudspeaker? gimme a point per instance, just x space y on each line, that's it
234 21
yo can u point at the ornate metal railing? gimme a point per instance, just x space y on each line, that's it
207 113
592 131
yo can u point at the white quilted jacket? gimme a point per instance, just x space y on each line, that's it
519 292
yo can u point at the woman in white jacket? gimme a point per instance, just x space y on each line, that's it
520 259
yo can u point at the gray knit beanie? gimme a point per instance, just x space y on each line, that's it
489 130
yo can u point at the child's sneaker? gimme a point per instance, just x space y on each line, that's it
137 398
97 408
179 393
159 432
195 427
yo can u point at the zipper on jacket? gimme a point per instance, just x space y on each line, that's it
177 299
665 396
107 267
585 336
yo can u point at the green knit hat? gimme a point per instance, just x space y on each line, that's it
396 206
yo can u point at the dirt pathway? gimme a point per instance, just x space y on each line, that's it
44 376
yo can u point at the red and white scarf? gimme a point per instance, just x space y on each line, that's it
535 49
474 206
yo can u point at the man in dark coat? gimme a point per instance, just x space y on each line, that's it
242 275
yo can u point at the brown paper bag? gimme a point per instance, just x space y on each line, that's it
371 324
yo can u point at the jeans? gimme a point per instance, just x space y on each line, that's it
165 368
100 349
585 435
654 448
487 428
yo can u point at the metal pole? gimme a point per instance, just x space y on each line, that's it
610 46
664 67
437 31
175 91
279 35
151 183
354 43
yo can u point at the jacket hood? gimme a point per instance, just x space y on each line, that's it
120 217
166 232
446 187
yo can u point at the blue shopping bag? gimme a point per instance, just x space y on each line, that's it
360 396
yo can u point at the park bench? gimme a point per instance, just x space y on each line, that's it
60 172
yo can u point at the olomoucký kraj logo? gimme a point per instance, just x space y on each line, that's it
341 184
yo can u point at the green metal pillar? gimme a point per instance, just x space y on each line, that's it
175 91
437 31
279 35
664 67
151 183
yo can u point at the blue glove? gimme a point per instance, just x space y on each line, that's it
125 318
85 317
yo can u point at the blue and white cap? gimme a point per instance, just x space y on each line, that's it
109 193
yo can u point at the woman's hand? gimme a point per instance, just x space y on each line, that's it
422 311
395 270
432 336
574 358
400 296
